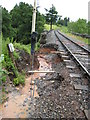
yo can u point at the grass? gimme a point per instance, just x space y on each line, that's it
65 30
19 80
27 48
9 65
20 46
85 40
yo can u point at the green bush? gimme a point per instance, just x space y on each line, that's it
4 79
20 46
16 55
19 80
80 26
37 46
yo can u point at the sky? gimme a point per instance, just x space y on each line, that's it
74 9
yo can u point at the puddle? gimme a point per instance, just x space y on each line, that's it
17 104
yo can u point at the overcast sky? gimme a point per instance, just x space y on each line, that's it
67 8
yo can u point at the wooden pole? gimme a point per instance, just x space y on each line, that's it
34 17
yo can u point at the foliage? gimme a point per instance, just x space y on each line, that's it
51 16
16 55
40 21
46 27
6 23
8 64
21 16
55 27
85 40
89 28
63 22
18 23
19 80
37 46
80 26
64 29
20 46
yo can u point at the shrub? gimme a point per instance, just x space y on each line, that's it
19 80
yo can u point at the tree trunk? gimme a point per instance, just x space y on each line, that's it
51 25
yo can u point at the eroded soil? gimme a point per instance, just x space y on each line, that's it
45 95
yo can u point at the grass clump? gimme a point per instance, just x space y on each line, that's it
20 46
8 64
37 47
19 80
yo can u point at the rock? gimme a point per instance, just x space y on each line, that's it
50 45
24 104
17 88
25 100
6 104
43 38
82 108
32 83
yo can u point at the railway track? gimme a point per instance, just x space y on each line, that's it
80 54
76 56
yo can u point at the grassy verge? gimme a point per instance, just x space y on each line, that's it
65 30
85 40
9 66
20 46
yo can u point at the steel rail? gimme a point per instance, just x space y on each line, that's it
74 42
77 61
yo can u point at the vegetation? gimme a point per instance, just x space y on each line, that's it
16 28
19 80
80 26
8 67
21 46
66 31
89 28
63 22
17 24
51 16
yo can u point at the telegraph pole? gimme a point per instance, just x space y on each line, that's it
33 33
34 17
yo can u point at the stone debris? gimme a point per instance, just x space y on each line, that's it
70 67
80 87
75 75
87 113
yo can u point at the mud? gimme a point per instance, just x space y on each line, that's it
19 98
24 63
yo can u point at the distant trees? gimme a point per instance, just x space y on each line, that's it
6 23
18 23
21 22
80 26
89 28
63 22
51 16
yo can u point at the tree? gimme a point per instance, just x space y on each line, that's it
21 16
6 23
18 23
89 28
63 22
51 16
40 21
66 20
22 21
80 26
